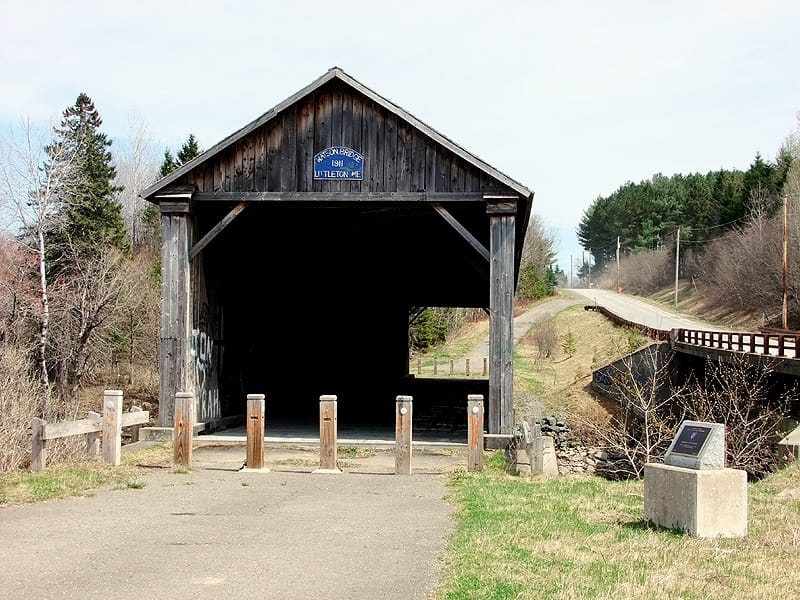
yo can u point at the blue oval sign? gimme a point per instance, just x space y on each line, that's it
339 162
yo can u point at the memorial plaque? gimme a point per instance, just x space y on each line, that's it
698 445
691 439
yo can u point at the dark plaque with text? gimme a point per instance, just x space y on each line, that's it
690 441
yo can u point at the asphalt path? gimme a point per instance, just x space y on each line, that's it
222 532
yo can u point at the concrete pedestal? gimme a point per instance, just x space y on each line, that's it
704 503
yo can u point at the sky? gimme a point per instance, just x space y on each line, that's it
571 98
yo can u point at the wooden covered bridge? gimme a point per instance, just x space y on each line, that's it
296 249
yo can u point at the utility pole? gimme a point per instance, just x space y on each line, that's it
677 262
785 265
619 289
570 270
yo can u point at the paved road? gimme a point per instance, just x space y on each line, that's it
219 532
642 312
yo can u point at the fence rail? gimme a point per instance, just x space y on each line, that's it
102 431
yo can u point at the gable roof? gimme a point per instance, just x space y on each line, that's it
337 73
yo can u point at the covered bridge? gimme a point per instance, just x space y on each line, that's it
296 250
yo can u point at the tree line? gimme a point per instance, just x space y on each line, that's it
646 215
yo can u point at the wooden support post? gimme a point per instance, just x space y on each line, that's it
175 361
475 432
255 431
112 426
93 437
466 367
485 366
327 435
502 212
184 425
135 428
402 436
39 445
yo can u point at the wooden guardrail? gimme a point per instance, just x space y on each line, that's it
769 344
102 431
651 332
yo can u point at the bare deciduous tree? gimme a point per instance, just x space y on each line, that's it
137 167
96 292
34 187
741 396
644 421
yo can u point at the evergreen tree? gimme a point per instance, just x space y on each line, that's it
189 150
168 165
90 216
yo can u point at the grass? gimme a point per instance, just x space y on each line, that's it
585 537
80 478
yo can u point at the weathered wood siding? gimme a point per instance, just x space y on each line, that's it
277 157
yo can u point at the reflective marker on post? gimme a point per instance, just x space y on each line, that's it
475 432
402 434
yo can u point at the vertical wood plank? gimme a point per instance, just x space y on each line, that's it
183 430
93 437
456 175
255 431
402 435
501 317
305 145
475 432
274 134
112 426
322 127
289 150
378 166
358 117
404 156
390 150
442 170
327 433
260 158
430 166
337 128
418 155
38 445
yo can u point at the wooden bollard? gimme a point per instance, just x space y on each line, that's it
327 435
255 431
402 436
452 365
435 366
485 366
112 426
419 366
184 426
475 432
466 367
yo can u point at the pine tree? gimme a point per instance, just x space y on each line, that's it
90 217
168 165
189 150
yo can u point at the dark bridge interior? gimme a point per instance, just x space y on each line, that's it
317 302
